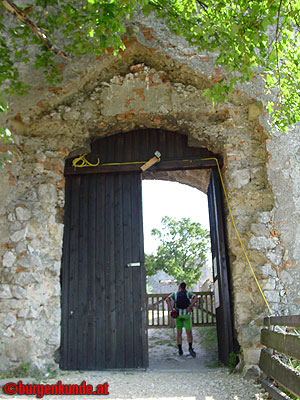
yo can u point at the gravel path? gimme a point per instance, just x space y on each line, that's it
168 377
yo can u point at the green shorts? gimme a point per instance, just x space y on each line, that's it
184 321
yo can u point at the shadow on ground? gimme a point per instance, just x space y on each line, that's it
163 352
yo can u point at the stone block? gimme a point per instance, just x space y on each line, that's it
47 193
252 372
260 229
22 214
275 257
15 226
272 296
240 178
25 278
261 243
19 235
268 284
21 247
287 278
19 350
255 110
5 292
31 261
9 319
18 292
251 355
250 334
267 270
9 259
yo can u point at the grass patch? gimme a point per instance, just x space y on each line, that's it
208 337
21 371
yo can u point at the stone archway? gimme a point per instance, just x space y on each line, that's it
139 97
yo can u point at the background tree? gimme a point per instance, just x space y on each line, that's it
248 39
182 252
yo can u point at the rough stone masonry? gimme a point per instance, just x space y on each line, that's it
157 82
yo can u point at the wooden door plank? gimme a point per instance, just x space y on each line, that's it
73 278
223 312
110 321
91 272
100 273
129 344
82 292
119 265
134 204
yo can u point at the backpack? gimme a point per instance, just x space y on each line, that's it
181 299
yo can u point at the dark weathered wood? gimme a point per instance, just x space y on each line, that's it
284 343
119 282
160 166
285 376
103 325
139 146
100 312
274 391
284 320
104 318
221 268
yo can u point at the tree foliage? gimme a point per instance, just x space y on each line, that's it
258 38
182 250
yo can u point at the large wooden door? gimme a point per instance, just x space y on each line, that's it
103 299
220 268
103 274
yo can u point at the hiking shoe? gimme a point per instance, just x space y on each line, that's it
192 353
180 352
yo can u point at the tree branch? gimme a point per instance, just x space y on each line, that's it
21 15
202 5
276 42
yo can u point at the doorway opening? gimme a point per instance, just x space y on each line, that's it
178 201
104 299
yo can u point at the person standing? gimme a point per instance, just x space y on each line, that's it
183 302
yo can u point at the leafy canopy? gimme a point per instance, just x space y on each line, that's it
249 38
182 250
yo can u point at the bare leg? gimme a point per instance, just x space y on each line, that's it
179 342
179 337
189 336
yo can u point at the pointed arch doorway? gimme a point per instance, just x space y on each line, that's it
103 274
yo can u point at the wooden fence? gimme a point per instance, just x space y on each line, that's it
159 317
281 345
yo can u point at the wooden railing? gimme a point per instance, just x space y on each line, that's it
280 346
159 317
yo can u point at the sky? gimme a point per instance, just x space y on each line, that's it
172 199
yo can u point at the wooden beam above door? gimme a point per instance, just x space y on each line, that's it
171 165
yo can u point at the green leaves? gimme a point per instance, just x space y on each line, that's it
5 134
250 38
182 252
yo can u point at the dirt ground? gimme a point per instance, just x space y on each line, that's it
163 351
169 375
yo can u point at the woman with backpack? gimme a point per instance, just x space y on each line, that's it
183 302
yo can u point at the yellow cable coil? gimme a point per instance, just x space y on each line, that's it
84 162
